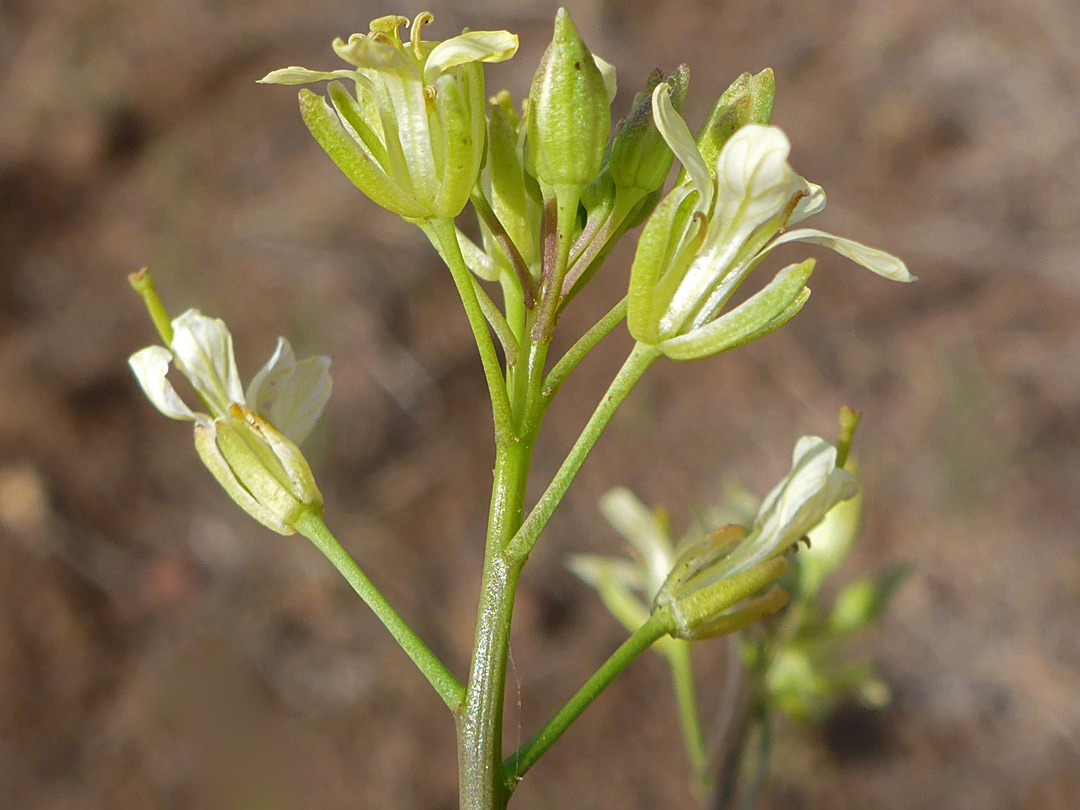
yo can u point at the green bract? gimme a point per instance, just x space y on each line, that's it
412 137
569 111
709 233
248 440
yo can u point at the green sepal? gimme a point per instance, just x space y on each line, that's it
354 116
461 146
696 609
354 161
747 614
699 556
259 468
665 250
510 199
765 311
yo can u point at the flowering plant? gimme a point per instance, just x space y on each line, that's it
554 187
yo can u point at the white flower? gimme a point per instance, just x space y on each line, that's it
412 137
711 231
248 441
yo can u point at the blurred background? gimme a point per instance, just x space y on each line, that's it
158 649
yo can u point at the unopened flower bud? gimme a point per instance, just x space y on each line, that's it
569 111
749 100
639 158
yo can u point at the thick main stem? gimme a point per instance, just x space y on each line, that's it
481 717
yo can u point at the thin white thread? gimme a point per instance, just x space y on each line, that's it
517 681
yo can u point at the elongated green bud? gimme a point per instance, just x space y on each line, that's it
749 100
640 159
509 196
569 111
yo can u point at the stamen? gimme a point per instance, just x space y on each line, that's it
422 19
789 209
389 26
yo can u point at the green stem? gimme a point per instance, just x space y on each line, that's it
601 240
311 526
586 343
559 233
481 717
498 324
759 764
682 674
636 364
515 767
446 238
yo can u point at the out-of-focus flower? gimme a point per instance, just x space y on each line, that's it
706 236
707 586
412 137
247 440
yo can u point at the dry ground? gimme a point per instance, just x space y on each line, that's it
160 650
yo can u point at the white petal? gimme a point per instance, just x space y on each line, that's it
203 350
809 205
301 75
267 380
755 181
472 46
610 578
594 570
677 135
754 317
607 71
150 366
642 530
291 396
797 503
877 261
